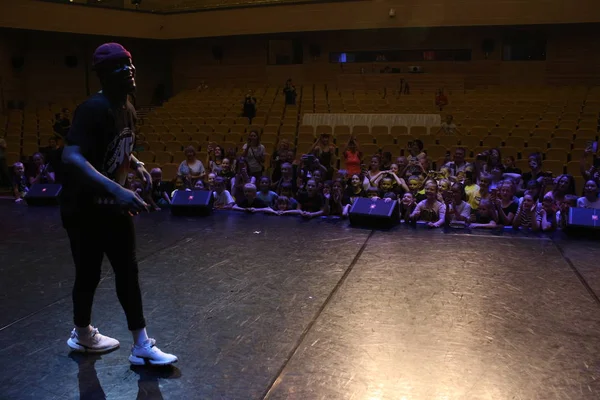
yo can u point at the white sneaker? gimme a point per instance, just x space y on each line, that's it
92 342
149 354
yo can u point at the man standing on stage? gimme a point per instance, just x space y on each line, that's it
97 209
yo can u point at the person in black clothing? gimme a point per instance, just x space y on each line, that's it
290 92
97 209
311 202
249 107
62 123
251 203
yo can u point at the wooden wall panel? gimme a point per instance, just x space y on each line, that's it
366 14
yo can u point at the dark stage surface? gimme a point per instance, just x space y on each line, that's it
275 307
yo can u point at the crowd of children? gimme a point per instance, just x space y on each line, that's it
486 193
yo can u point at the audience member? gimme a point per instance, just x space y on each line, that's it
590 196
527 215
547 215
62 123
448 127
215 158
324 151
339 202
241 179
191 169
20 183
430 210
311 202
249 202
458 164
290 92
265 194
249 110
505 204
159 193
280 156
352 157
222 197
254 153
484 217
42 172
458 211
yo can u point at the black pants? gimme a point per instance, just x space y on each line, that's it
91 236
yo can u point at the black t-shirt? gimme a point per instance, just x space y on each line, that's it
105 135
256 203
310 204
528 176
158 189
512 208
335 208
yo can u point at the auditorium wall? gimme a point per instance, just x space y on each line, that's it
573 56
45 76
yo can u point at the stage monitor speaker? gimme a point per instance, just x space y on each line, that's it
374 213
583 218
192 202
43 194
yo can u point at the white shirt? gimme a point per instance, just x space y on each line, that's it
223 199
582 202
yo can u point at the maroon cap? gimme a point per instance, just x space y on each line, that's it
109 52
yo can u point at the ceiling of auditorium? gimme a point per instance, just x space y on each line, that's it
174 6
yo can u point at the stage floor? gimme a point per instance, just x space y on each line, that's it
273 307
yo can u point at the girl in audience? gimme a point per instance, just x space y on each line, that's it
415 148
547 215
241 179
286 177
431 209
562 215
159 195
407 206
590 196
352 157
43 172
535 173
339 203
458 211
265 194
317 176
254 153
324 151
355 188
326 190
374 173
226 172
20 184
527 215
311 203
222 197
279 157
191 169
286 190
215 158
564 185
211 181
400 186
505 203
484 217
284 206
485 183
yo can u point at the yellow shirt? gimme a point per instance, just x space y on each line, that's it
473 196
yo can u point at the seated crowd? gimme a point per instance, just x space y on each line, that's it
487 193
